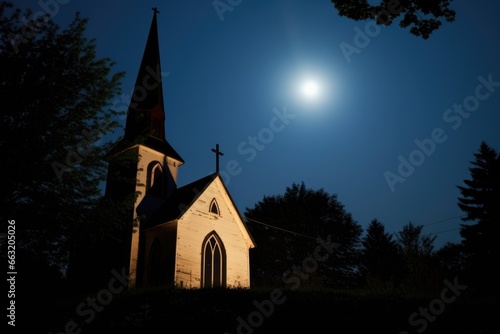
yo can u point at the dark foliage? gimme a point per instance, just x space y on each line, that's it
382 266
452 258
252 311
290 253
56 112
422 17
423 273
480 199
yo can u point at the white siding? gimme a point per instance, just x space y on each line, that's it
146 156
197 223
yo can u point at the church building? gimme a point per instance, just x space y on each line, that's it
189 236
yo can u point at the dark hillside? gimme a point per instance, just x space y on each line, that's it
250 311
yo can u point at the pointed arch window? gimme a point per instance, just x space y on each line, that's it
154 180
214 207
213 262
154 263
156 174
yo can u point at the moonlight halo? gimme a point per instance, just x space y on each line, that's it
310 89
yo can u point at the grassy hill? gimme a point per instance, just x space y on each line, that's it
267 311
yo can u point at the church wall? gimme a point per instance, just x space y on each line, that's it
196 224
166 236
146 156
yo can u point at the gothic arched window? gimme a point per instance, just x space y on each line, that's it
154 179
214 207
156 174
213 262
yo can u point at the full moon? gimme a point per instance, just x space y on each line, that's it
310 89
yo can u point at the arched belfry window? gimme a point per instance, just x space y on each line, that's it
156 174
154 263
213 262
155 177
214 207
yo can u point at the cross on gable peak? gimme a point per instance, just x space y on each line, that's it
217 154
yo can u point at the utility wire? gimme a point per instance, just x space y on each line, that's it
393 233
444 220
450 230
279 228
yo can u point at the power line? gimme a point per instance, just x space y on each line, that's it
450 230
393 233
444 220
437 222
281 229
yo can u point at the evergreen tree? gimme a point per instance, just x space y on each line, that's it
381 264
309 240
480 201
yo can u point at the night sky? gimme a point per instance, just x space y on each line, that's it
395 102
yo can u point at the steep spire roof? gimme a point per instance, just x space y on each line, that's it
146 113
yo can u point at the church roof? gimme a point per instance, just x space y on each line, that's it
162 146
179 201
182 198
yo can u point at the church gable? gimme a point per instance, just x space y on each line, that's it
215 197
212 241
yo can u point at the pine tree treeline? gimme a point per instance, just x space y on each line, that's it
379 261
480 201
287 229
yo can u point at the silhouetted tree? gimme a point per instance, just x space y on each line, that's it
452 258
421 17
413 243
381 262
423 274
480 200
56 97
310 240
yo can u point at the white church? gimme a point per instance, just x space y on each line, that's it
189 236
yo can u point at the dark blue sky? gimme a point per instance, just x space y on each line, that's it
233 79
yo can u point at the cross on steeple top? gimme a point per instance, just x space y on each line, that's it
217 154
155 10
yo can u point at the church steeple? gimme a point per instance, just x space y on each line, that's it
142 166
145 123
146 113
